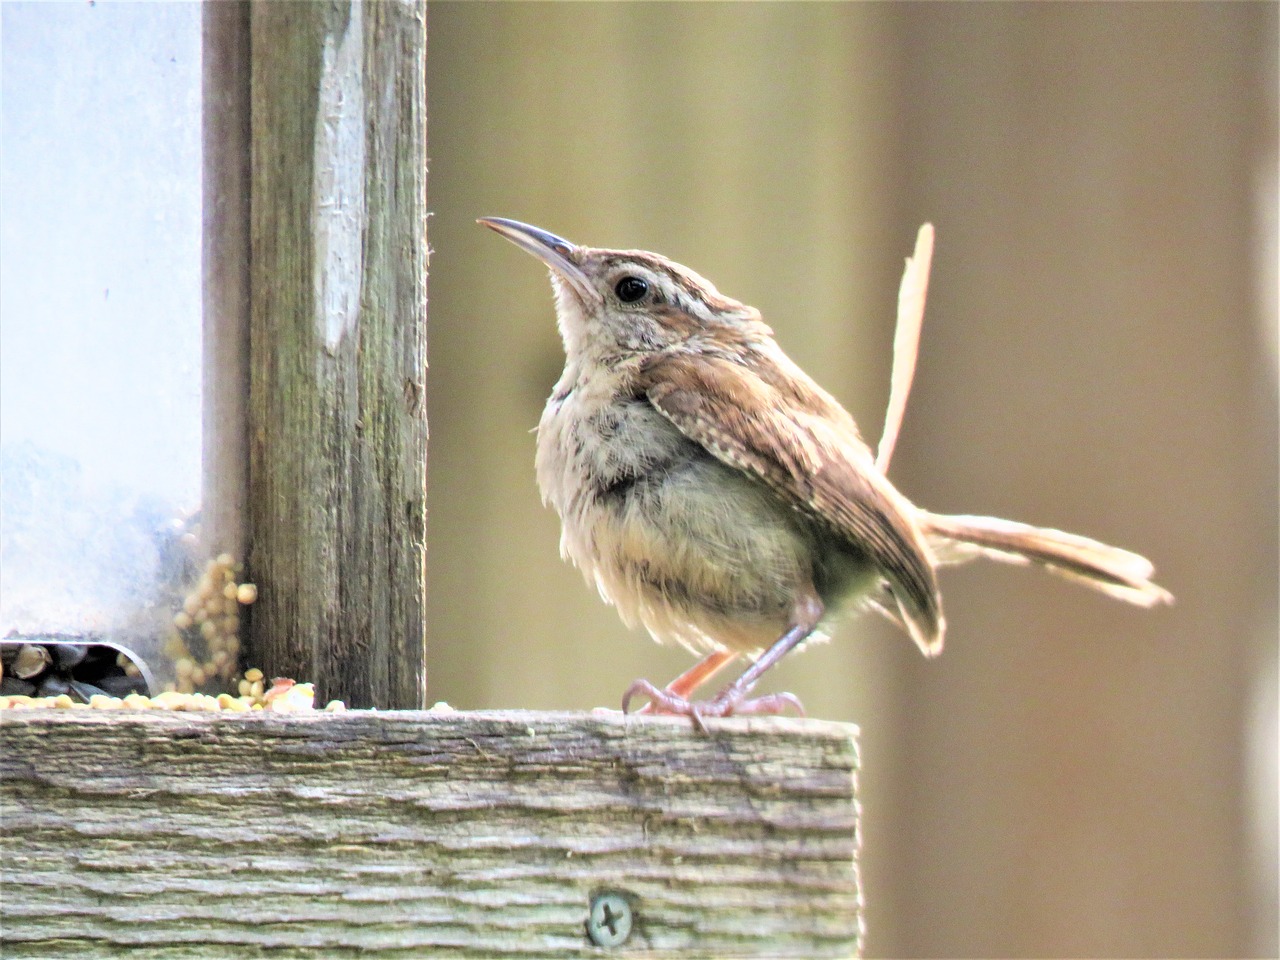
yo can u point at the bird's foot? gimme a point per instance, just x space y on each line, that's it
728 703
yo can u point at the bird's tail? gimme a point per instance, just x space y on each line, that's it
1118 573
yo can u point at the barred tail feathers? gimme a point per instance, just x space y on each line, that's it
1111 570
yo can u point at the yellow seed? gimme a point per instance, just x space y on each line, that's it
255 688
232 645
246 593
191 604
225 560
136 701
198 676
234 704
182 619
63 701
131 670
200 615
335 706
231 625
213 606
186 686
208 629
183 666
229 591
169 700
252 674
243 687
100 701
204 587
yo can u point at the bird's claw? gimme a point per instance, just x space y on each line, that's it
726 704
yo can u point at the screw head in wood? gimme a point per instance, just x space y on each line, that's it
609 923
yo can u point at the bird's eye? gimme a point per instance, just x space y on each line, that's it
630 289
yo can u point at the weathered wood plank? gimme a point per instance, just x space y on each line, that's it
419 834
337 359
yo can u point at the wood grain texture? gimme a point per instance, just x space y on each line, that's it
337 449
417 834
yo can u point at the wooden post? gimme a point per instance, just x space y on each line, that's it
337 481
424 834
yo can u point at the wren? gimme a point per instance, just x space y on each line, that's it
716 495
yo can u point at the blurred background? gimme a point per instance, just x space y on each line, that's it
1072 776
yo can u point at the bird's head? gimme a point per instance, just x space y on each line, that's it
618 303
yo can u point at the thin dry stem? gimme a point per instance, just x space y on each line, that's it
906 340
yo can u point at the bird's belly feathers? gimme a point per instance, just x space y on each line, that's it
696 551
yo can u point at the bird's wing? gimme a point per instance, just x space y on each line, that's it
797 441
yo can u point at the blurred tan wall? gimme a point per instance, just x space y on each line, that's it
1072 776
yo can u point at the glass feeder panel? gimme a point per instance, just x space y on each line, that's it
100 336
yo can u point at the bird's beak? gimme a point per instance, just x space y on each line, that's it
556 252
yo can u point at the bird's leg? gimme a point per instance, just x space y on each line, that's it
689 681
731 700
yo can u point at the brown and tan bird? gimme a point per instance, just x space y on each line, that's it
717 495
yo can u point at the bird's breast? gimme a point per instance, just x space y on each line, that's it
596 446
694 549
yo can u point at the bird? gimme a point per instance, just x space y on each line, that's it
715 494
